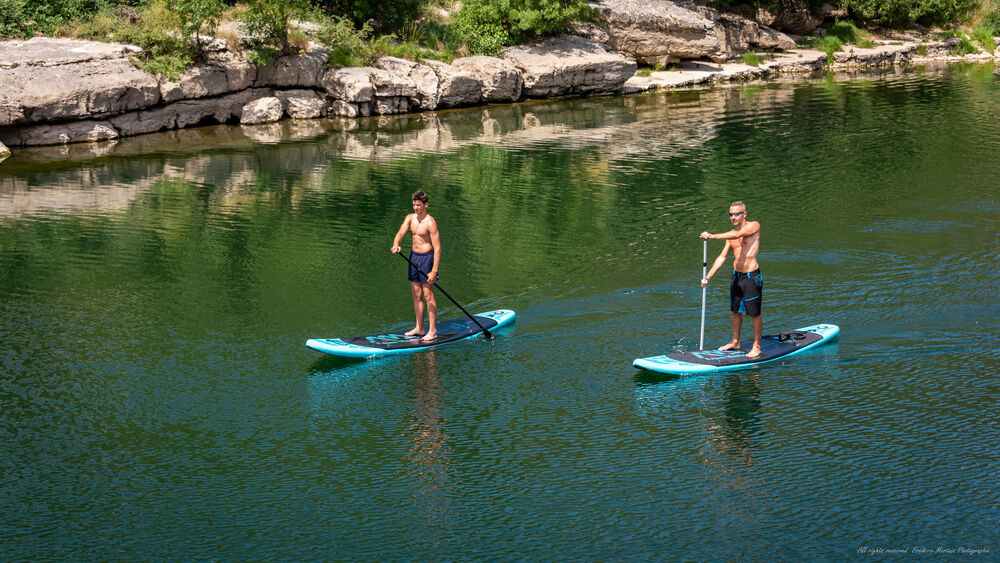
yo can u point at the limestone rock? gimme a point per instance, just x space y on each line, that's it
186 113
743 35
456 87
351 84
60 133
661 31
301 104
224 73
391 85
795 16
350 109
4 152
423 77
47 79
501 81
293 71
262 110
568 64
666 31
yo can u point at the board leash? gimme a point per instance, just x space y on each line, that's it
486 333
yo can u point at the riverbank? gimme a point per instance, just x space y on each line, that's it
66 91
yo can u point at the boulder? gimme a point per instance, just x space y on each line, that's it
569 65
661 31
302 104
262 110
351 84
224 73
501 81
4 152
795 16
293 71
197 82
46 79
744 35
186 113
60 133
391 85
423 77
456 87
350 109
665 31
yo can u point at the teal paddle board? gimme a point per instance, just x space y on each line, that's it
772 347
398 343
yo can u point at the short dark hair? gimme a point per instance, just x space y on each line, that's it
420 196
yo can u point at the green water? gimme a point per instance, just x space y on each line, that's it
157 401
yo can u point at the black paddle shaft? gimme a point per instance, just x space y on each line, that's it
485 332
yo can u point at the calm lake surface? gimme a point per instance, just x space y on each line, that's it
157 401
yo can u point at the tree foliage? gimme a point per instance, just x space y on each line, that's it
490 25
903 11
194 17
384 16
267 23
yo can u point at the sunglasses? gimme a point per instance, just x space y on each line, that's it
737 214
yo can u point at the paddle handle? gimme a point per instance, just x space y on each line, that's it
434 283
704 272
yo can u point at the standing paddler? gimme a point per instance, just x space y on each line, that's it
425 256
747 287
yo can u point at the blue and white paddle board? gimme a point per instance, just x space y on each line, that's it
772 347
397 343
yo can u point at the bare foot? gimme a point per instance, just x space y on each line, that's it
430 336
731 346
414 332
754 352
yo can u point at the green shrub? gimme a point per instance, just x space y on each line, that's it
487 26
347 45
267 24
966 47
383 16
894 12
984 36
829 45
164 51
195 16
22 19
750 58
991 23
846 31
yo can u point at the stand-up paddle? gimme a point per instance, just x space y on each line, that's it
704 272
486 333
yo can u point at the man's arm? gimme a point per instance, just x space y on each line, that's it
747 230
436 244
717 264
399 236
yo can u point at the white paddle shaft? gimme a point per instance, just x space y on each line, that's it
704 272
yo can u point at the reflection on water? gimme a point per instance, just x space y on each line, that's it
429 451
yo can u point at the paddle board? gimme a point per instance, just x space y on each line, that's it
397 343
772 347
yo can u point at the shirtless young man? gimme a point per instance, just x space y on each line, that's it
747 288
426 254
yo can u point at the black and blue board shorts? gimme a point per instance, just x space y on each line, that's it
746 292
424 261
